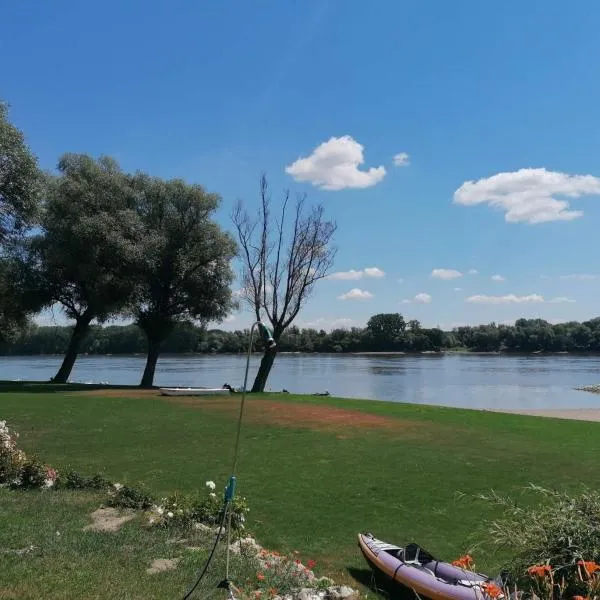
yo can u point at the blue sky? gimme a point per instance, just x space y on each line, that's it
322 95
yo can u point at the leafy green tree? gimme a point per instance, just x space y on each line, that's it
21 181
21 188
82 259
385 328
184 271
279 268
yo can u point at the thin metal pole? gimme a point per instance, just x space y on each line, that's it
239 428
236 452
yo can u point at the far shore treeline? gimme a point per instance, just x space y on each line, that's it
383 333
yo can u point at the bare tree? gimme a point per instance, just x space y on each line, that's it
280 267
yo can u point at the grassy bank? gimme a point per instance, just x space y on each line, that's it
316 471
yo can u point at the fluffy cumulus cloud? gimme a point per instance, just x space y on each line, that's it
335 165
421 298
446 274
402 159
497 278
356 294
353 274
507 299
458 289
529 195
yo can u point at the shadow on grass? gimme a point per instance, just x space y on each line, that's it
45 387
380 585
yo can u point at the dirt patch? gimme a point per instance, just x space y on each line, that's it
107 519
160 565
297 414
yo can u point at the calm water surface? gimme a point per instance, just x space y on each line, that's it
474 381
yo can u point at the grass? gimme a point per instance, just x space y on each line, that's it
316 471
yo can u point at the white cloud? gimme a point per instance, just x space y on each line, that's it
529 195
561 300
374 272
356 294
579 277
328 324
229 319
508 299
334 165
473 272
353 275
400 280
402 159
458 289
446 274
421 298
497 278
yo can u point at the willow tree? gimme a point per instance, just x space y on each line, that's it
21 187
83 257
283 256
184 272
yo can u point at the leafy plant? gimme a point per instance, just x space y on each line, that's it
123 496
558 532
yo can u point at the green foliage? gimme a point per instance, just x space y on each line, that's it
32 475
129 497
187 338
559 530
73 480
21 182
183 272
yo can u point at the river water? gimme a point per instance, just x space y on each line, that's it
463 380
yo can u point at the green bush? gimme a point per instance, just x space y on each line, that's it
32 475
560 530
123 496
73 480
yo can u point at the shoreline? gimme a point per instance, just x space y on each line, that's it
574 414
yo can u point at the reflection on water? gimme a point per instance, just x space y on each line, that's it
476 381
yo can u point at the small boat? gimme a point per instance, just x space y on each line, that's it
189 391
413 567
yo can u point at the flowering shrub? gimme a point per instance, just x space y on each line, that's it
561 530
11 458
278 575
185 511
123 496
16 469
544 582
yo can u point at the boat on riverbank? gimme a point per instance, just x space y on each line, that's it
178 391
414 568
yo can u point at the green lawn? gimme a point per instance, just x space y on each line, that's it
313 479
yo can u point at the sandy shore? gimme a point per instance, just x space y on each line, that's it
579 414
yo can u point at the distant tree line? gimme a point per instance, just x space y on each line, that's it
383 333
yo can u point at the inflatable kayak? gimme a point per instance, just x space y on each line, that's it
415 568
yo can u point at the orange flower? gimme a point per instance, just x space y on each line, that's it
310 564
540 571
464 562
273 591
257 593
590 566
579 598
492 590
260 577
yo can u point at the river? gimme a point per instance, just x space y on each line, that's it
463 380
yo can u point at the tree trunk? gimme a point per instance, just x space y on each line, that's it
151 360
263 371
81 328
